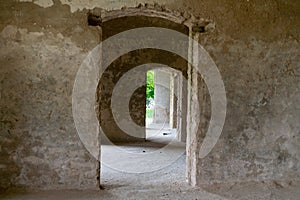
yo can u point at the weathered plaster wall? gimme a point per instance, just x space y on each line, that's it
255 45
136 105
256 48
41 51
260 139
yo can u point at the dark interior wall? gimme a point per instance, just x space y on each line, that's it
127 62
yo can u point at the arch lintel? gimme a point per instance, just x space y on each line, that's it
97 16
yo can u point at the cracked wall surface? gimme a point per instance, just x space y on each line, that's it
255 45
260 139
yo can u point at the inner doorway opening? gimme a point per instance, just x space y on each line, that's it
163 104
143 151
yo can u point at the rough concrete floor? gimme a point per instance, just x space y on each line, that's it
167 183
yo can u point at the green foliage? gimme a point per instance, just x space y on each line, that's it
150 85
149 113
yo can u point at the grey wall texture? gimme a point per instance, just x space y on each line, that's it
161 96
255 46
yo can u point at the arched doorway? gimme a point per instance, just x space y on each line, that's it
114 22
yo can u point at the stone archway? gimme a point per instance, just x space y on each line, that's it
109 23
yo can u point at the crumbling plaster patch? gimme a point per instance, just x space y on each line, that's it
106 4
42 3
79 5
